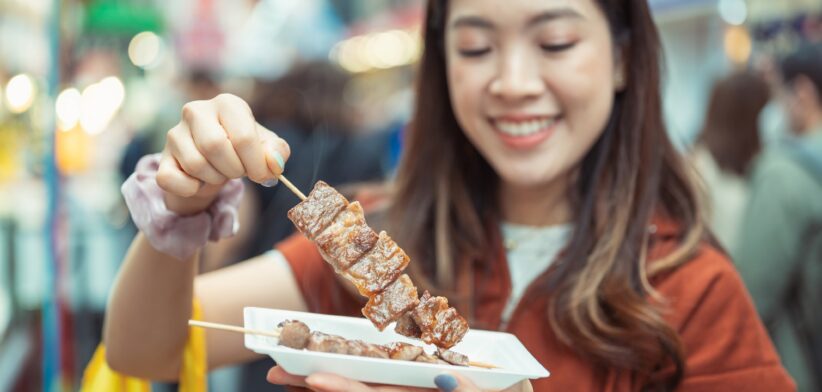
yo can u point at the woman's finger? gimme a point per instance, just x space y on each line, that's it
276 149
172 179
211 139
277 375
448 382
236 118
182 148
328 382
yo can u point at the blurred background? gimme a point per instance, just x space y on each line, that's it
88 87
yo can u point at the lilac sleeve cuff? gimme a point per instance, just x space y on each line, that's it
168 232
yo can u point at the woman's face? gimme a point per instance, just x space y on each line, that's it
531 81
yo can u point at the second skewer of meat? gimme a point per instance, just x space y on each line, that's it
297 335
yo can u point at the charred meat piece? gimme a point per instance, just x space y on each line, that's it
347 238
448 330
363 349
393 302
406 326
318 210
428 358
379 267
425 314
404 351
452 357
294 334
440 324
325 343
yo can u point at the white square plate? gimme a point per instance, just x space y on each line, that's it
498 348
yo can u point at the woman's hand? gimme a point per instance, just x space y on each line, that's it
216 140
327 382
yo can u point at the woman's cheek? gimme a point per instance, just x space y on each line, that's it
462 99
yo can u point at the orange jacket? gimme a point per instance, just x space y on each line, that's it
726 345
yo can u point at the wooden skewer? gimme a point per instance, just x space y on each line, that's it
276 334
482 365
291 186
224 327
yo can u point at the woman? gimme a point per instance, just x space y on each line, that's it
552 138
729 142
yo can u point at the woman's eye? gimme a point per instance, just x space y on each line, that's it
474 52
553 48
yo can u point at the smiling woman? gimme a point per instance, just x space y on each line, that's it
540 113
554 111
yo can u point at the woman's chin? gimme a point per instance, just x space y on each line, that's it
526 178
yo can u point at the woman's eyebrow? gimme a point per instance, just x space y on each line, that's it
471 21
547 16
554 14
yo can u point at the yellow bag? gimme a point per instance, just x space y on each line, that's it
98 377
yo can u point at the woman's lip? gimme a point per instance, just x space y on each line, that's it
521 117
526 142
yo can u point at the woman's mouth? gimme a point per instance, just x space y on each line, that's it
524 133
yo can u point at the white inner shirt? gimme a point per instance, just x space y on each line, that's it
532 252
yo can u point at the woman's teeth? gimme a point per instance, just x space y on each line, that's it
523 128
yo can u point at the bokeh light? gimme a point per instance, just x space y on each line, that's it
380 50
144 49
99 103
733 12
20 93
738 45
68 108
115 92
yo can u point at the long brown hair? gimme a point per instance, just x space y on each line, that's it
731 130
446 196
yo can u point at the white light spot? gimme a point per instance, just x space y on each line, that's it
68 108
734 12
144 49
20 92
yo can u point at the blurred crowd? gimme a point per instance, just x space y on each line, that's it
89 87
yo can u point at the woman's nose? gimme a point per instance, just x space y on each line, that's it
517 77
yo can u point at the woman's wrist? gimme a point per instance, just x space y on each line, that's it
185 206
183 226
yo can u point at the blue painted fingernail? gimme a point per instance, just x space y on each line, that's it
279 158
270 183
445 382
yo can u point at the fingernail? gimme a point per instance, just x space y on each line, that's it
445 382
270 183
279 158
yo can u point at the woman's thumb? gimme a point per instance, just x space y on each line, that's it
448 382
276 151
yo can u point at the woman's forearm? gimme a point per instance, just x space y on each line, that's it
146 325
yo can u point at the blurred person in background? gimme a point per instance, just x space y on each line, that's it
538 189
779 252
728 143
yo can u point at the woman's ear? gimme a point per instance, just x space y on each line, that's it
619 78
620 69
